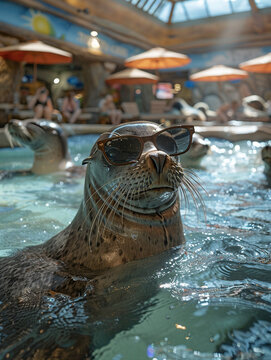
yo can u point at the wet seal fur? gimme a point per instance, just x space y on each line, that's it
266 157
199 148
128 213
49 144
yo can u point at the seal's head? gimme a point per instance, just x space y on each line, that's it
131 205
199 148
266 157
137 164
48 142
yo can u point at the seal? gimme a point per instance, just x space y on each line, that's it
48 142
266 157
130 211
199 148
180 106
254 106
204 107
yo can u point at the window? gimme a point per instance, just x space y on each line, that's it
185 10
263 3
240 5
178 14
164 11
196 9
217 8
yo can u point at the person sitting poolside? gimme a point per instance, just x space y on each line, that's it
42 105
107 107
71 107
227 112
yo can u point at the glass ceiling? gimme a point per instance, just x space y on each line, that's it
174 11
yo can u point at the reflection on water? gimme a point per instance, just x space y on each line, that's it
210 300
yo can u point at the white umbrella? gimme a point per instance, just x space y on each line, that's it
132 77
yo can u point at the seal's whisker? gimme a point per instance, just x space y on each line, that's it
111 181
104 201
144 185
120 198
184 191
91 198
192 175
193 190
97 216
189 188
184 196
128 193
105 205
131 186
91 195
112 212
114 208
195 194
121 191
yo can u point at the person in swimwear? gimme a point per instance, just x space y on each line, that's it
42 105
71 108
108 108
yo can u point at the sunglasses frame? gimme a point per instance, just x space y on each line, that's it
142 140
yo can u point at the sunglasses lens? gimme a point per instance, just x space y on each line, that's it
122 150
174 140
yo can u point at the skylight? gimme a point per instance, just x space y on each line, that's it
176 11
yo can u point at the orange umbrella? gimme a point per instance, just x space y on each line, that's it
35 52
132 77
219 73
260 64
157 58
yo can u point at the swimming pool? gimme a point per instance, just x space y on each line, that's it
212 301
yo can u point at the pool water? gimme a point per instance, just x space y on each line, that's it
210 300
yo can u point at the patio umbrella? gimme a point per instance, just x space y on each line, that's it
132 77
219 73
260 64
157 58
35 52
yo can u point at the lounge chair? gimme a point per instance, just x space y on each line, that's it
131 109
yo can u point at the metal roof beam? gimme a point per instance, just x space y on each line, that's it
171 12
158 6
149 8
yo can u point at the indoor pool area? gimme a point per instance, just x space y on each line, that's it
210 299
135 180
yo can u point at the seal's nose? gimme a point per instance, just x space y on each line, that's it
158 158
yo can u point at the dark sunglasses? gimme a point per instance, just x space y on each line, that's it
127 149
